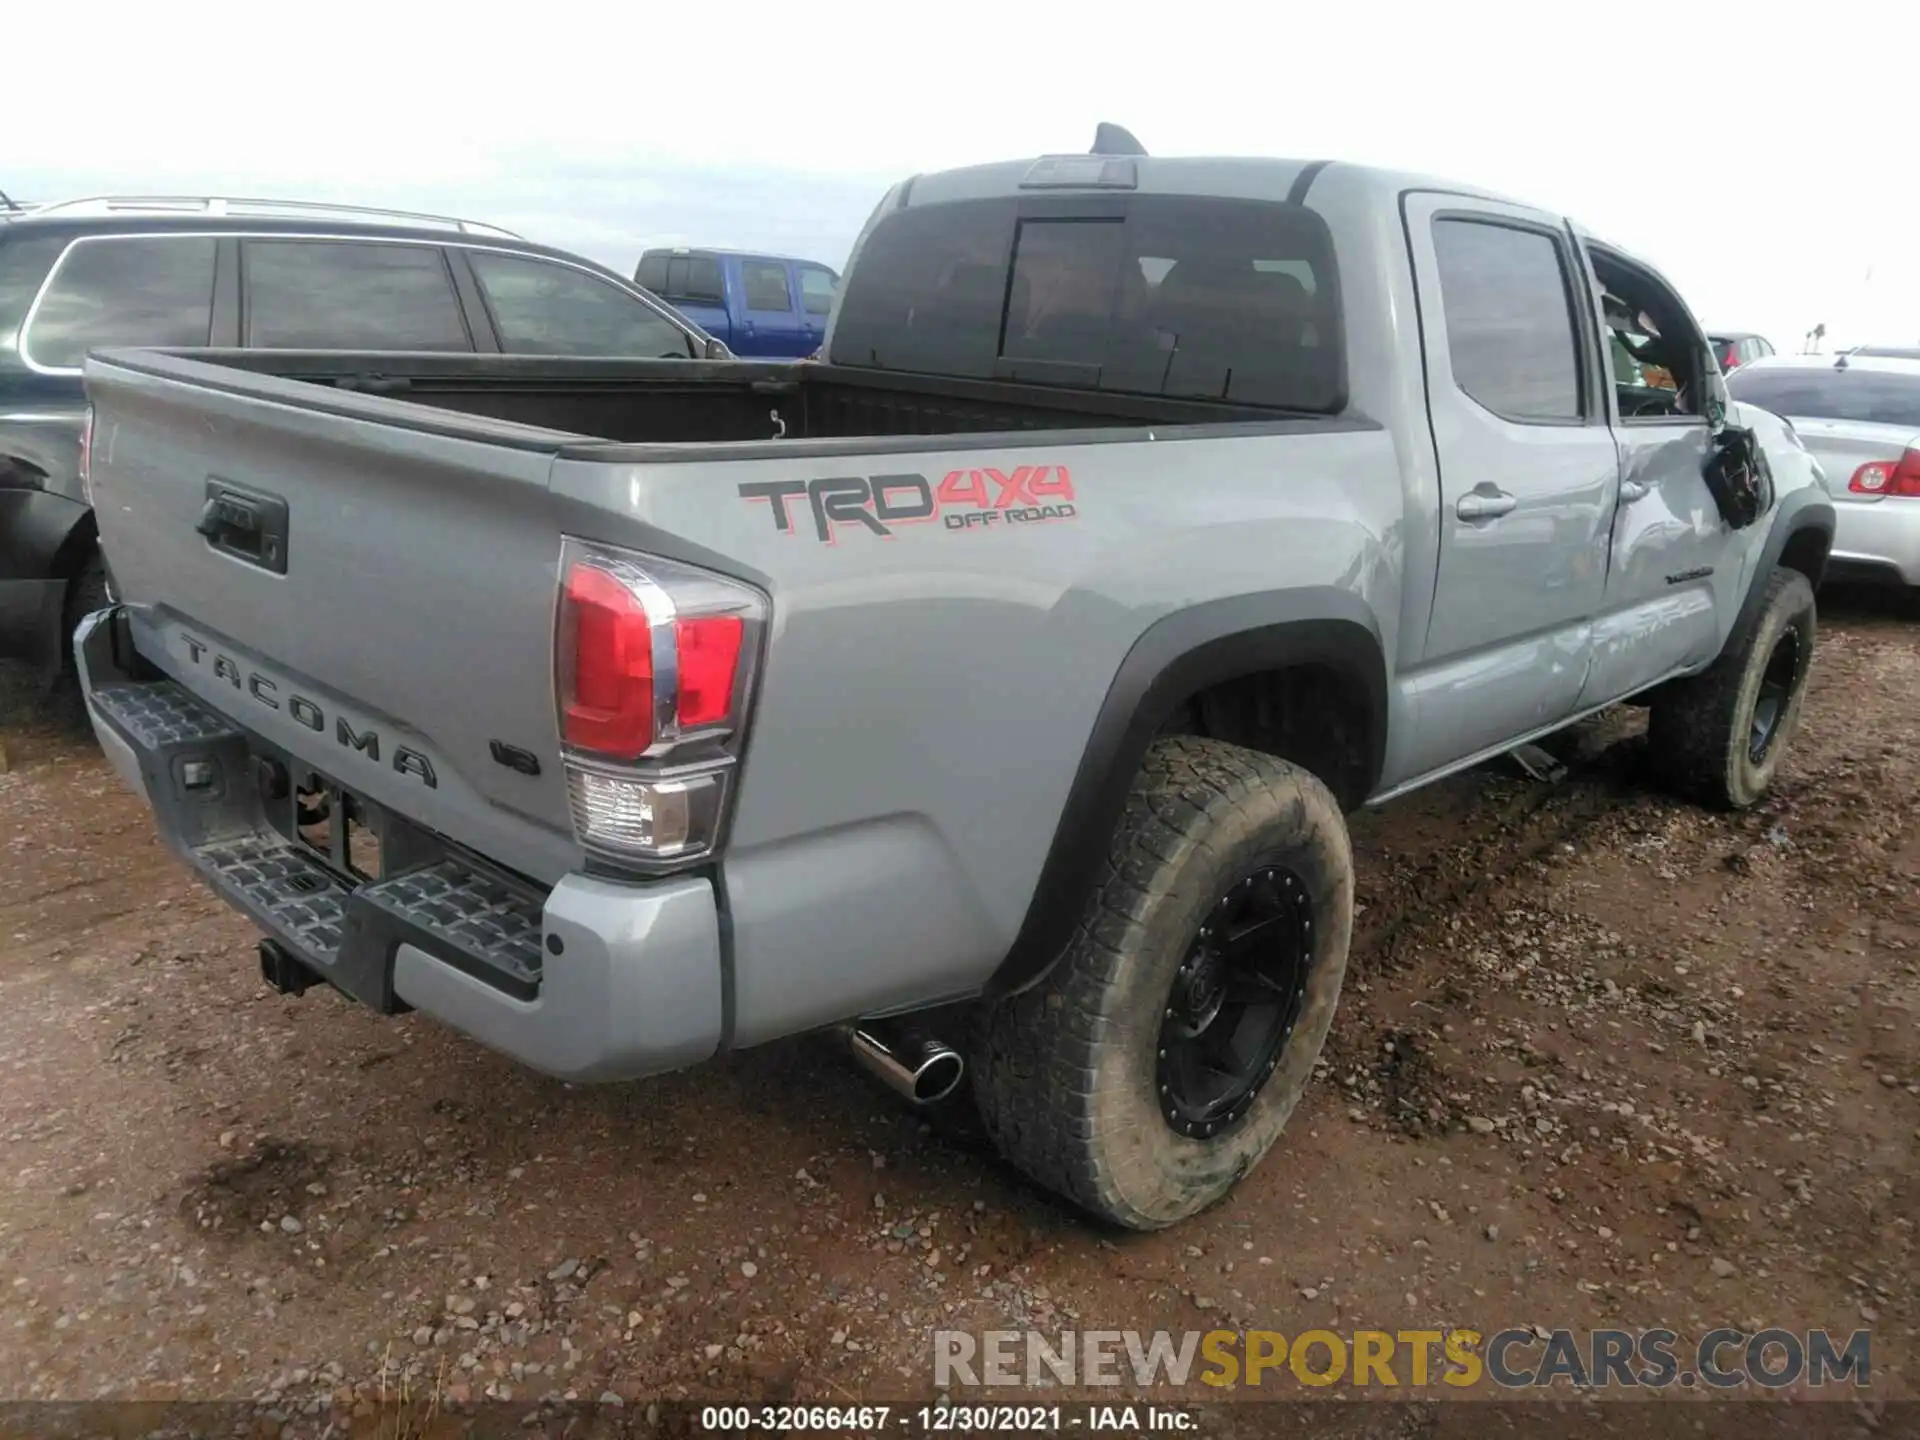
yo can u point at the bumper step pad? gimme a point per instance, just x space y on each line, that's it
465 912
161 714
485 924
266 876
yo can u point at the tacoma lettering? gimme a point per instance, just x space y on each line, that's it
265 690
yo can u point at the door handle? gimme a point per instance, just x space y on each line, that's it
1632 490
1487 504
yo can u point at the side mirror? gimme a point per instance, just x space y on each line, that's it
1739 477
717 349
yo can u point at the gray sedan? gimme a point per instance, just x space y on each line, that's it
1859 415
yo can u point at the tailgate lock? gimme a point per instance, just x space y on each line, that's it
250 525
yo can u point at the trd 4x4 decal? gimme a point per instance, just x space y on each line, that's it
963 500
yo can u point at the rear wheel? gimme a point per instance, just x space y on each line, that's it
1719 736
1161 1057
88 591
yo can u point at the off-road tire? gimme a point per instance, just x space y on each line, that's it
1065 1071
1699 729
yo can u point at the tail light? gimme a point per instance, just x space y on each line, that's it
655 665
84 464
1889 477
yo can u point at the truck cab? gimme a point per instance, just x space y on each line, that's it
771 305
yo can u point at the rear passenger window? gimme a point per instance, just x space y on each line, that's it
125 290
348 295
695 280
547 309
1510 330
766 285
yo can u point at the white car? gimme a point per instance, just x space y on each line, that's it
1859 415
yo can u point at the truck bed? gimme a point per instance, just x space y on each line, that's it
702 401
317 575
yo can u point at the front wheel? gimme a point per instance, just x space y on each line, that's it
1719 736
1161 1057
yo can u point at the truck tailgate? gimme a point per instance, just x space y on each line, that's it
374 597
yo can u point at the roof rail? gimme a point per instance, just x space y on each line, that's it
262 209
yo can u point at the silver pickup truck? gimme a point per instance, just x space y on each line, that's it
992 690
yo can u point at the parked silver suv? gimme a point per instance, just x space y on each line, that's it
263 274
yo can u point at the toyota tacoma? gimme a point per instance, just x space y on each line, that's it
991 690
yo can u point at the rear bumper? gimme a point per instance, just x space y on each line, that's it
1877 541
592 980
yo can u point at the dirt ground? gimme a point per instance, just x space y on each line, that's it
1604 1059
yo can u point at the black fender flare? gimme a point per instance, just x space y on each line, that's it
46 537
1806 511
1176 657
38 530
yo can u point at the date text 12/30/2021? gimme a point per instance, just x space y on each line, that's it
945 1419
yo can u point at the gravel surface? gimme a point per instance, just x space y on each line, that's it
1603 1059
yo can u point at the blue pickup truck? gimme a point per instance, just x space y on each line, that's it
757 304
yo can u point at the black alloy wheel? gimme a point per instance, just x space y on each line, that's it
1234 1002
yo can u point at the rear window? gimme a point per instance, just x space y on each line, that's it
23 265
125 290
1198 298
652 274
1877 397
692 280
542 308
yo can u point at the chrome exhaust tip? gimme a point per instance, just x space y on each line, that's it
910 1062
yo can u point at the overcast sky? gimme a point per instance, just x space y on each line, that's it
1759 157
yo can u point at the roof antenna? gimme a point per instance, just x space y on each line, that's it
8 201
1112 139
